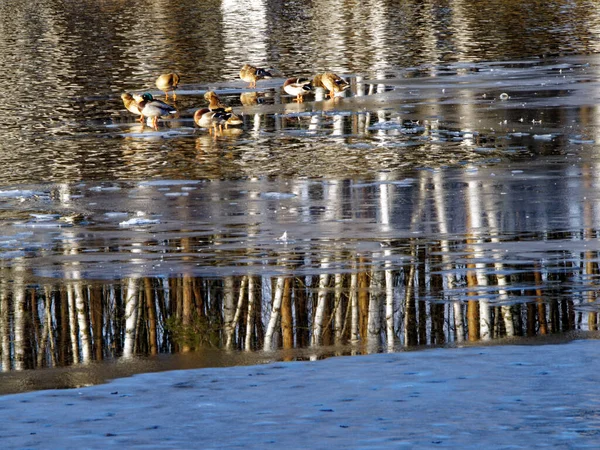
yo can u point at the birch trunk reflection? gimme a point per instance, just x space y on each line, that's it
379 303
319 319
5 331
19 314
447 267
375 305
475 218
251 314
275 313
231 327
131 315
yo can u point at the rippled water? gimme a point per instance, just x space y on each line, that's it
450 196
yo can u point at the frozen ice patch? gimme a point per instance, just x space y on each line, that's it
138 221
277 195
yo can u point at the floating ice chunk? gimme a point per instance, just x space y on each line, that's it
360 145
176 194
137 221
105 188
582 141
404 183
116 214
544 137
45 217
43 224
385 126
277 195
168 183
17 193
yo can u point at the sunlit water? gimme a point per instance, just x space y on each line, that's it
450 197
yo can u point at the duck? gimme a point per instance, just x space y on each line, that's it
154 108
214 102
297 87
251 74
168 82
332 82
132 105
205 118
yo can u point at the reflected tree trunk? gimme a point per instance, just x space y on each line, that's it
287 325
46 325
96 317
363 297
472 305
301 314
131 311
151 311
353 301
229 304
19 317
475 224
73 331
389 305
338 323
541 306
320 312
5 332
251 314
411 336
275 314
187 311
440 209
83 322
375 306
230 330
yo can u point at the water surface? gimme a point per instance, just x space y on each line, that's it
449 197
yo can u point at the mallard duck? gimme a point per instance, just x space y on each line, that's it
132 105
168 82
251 74
297 87
205 118
154 108
214 102
332 82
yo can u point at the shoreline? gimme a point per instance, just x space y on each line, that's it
496 396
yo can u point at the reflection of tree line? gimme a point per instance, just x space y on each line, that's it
376 305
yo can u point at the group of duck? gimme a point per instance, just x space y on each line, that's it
216 115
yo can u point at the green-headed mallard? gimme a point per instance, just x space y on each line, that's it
251 74
168 82
213 120
154 108
332 82
132 105
297 87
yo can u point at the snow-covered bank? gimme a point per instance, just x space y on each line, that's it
478 397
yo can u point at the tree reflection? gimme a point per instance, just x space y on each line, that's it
378 306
